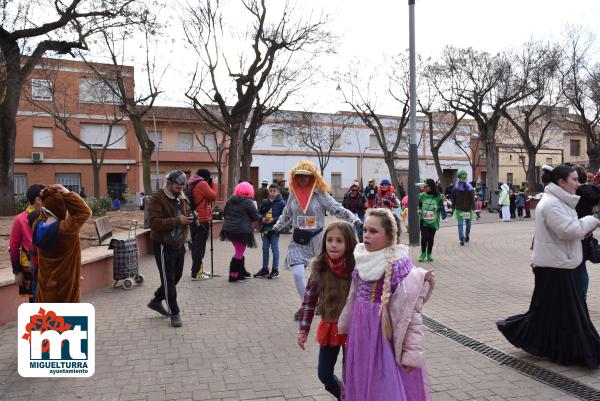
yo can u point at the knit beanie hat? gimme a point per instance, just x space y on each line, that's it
355 184
54 201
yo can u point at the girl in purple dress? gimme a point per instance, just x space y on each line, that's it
384 356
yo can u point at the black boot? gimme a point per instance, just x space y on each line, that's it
245 272
235 271
336 391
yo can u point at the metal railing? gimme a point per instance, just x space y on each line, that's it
184 148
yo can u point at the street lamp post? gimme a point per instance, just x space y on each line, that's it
413 156
158 142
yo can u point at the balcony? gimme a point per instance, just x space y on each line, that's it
175 153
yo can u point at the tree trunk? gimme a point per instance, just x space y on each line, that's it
96 172
532 183
8 134
436 161
8 128
147 147
146 173
246 161
389 161
487 133
234 157
594 155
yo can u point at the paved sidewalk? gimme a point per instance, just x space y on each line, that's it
238 341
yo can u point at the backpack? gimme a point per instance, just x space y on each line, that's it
189 193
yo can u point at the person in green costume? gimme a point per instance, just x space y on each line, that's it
463 201
431 203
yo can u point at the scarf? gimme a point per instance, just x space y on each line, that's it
337 266
371 265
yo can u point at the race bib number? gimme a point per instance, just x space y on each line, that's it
466 215
429 215
307 222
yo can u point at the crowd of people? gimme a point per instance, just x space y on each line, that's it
362 281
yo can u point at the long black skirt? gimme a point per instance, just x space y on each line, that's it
557 325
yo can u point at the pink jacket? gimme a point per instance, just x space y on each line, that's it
405 308
20 235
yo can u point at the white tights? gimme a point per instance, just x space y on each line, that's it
299 280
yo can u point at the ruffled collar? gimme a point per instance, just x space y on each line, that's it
371 265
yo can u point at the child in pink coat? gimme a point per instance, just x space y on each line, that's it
384 357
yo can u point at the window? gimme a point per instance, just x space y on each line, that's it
209 140
101 135
20 184
373 141
42 137
185 141
277 137
71 181
482 157
549 161
96 91
509 177
278 175
41 89
156 137
509 157
336 180
574 148
522 159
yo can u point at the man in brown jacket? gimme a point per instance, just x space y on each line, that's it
170 215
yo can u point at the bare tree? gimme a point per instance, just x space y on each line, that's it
281 84
34 28
363 101
267 38
61 109
580 84
136 108
441 124
471 151
482 86
537 114
321 135
216 148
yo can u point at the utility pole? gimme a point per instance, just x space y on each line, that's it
413 155
158 141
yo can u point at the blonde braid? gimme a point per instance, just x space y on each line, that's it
390 225
386 321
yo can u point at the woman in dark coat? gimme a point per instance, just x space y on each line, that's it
239 214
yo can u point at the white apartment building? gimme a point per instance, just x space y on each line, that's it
281 143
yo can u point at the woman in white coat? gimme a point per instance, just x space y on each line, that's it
557 325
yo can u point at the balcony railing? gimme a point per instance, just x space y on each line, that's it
184 148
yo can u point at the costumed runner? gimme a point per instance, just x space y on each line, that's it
305 211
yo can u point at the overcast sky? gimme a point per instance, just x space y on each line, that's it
370 30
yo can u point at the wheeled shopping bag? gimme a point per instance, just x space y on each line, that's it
126 259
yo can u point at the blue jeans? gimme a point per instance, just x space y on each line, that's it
584 279
461 235
359 230
327 358
270 241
